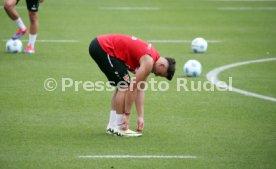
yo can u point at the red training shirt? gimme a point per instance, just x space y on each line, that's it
128 49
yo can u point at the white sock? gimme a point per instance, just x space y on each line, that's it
112 118
119 119
20 24
32 39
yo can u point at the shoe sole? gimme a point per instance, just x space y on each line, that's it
29 52
128 134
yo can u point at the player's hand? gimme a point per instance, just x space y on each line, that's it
40 1
125 124
140 122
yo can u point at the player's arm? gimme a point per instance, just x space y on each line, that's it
146 65
139 103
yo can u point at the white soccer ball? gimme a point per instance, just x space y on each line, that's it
192 68
14 46
199 45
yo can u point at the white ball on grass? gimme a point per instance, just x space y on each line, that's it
192 68
199 45
14 46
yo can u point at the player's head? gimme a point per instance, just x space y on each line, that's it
164 67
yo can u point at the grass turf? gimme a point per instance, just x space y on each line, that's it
41 129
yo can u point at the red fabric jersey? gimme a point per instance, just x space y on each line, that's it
129 49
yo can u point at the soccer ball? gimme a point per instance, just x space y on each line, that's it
14 46
199 45
192 68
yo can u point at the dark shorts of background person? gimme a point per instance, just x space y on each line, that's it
114 69
32 5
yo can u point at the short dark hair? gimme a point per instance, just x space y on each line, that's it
171 67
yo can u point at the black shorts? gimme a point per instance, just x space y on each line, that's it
32 5
114 69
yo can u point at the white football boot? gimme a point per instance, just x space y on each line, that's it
109 129
126 133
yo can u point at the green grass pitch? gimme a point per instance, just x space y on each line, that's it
224 130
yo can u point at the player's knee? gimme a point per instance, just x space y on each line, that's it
33 17
8 4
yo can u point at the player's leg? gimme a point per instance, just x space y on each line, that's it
119 107
139 103
120 77
32 6
120 115
117 113
113 104
9 6
33 16
112 115
102 60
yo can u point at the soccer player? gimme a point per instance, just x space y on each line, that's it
32 6
115 54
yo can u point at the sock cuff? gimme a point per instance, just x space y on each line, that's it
20 24
33 34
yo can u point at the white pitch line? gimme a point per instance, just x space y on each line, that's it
129 8
52 41
179 41
58 41
212 76
139 156
270 8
